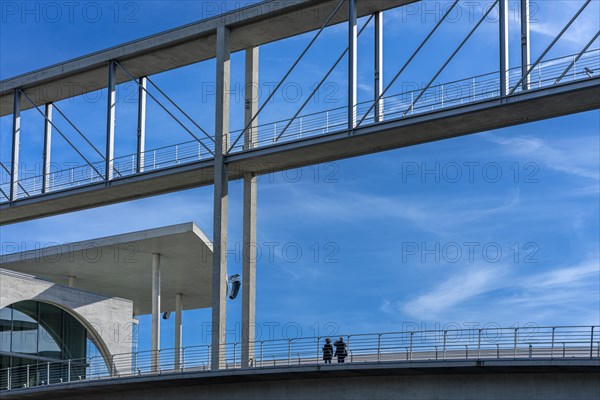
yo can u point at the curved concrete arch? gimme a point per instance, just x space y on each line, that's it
107 320
93 334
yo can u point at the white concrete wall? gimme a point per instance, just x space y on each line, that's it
109 319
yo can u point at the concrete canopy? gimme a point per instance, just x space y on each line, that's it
121 266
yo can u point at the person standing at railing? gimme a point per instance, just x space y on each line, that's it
327 351
340 350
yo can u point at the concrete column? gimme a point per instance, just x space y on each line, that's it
155 357
352 63
221 188
249 223
504 48
525 43
16 146
378 65
141 127
110 121
47 148
178 329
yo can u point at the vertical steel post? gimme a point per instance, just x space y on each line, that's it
525 44
592 344
378 65
154 356
141 126
47 148
178 329
504 48
552 346
16 146
110 121
515 343
249 212
220 216
352 64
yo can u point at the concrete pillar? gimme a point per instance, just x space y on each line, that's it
141 127
525 44
16 146
378 65
47 148
352 63
155 356
504 48
110 121
221 188
178 329
249 223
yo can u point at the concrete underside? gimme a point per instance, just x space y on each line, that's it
496 113
468 380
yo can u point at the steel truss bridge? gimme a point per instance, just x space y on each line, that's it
536 89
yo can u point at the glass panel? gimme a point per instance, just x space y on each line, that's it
25 328
5 328
50 333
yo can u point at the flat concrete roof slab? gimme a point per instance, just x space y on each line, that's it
121 266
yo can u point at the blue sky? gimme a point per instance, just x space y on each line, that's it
499 228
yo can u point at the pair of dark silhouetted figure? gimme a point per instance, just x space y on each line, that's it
341 352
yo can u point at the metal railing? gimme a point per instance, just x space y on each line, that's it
524 343
437 97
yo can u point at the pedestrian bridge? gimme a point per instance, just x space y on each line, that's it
554 360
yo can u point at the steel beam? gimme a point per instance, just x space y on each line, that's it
141 126
110 121
504 48
178 330
155 347
221 187
378 66
16 146
525 44
47 148
352 63
249 213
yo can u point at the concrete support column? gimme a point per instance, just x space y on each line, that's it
378 65
249 223
155 356
178 329
47 148
352 63
141 127
525 44
110 121
16 146
504 48
221 188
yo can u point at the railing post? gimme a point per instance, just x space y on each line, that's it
262 342
411 344
552 346
379 348
530 350
289 350
234 353
90 376
9 378
28 375
479 345
69 371
318 349
182 359
48 373
515 343
592 343
444 353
